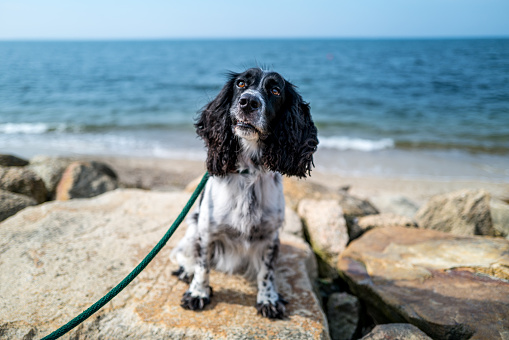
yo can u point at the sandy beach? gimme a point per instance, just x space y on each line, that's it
170 174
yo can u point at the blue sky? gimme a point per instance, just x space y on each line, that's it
93 19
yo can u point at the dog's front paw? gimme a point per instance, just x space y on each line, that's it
272 310
182 275
192 302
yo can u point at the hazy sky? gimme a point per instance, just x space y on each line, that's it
106 19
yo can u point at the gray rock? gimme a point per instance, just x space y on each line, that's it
60 257
292 224
327 232
465 212
395 204
11 203
23 181
50 170
451 287
85 180
500 217
355 206
343 312
10 160
396 331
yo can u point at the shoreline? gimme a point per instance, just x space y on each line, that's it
173 174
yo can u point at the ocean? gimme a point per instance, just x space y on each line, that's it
401 108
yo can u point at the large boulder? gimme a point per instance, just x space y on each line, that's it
10 160
451 287
11 203
85 180
23 181
464 212
50 170
60 257
326 229
396 331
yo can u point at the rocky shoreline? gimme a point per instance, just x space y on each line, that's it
389 267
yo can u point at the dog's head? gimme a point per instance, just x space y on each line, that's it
260 111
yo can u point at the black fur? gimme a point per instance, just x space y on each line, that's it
287 144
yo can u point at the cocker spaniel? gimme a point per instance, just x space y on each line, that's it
256 129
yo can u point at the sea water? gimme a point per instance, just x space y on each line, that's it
416 108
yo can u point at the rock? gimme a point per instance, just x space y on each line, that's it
50 170
10 160
399 205
369 222
451 287
465 212
296 190
85 179
11 203
23 181
327 232
60 257
343 312
354 206
396 331
500 217
292 224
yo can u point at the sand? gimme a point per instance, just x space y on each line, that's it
170 174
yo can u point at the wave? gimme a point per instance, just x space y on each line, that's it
32 128
358 144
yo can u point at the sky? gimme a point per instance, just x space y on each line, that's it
167 19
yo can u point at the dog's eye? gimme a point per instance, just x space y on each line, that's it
241 84
275 91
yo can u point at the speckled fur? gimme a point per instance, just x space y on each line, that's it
235 228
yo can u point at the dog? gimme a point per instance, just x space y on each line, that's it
257 129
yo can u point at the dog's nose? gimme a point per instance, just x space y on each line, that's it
249 102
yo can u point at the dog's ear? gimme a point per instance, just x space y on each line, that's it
214 126
289 147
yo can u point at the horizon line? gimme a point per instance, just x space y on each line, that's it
90 39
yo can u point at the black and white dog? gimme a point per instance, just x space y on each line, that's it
257 128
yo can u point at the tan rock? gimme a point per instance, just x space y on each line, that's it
50 170
500 217
396 331
326 229
85 180
451 287
23 181
464 212
296 190
369 222
60 257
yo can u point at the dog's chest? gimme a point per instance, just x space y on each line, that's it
249 202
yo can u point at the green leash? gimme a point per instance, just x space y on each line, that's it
114 292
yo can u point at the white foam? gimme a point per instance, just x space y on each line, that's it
24 128
358 144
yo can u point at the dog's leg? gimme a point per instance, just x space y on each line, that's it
199 292
269 303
